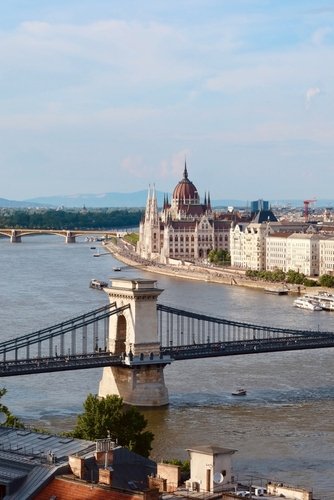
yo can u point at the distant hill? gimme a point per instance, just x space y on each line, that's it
121 200
4 203
135 199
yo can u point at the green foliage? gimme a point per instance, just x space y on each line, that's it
295 277
70 219
309 283
326 280
103 417
11 420
131 238
279 276
219 257
183 464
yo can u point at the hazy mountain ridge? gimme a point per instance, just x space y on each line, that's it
135 199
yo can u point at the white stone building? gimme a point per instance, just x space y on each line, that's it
302 254
276 247
326 255
248 241
185 229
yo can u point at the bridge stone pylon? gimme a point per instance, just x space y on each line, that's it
133 335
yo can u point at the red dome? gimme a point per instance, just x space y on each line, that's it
185 191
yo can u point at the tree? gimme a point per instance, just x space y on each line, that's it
219 257
108 416
326 280
11 420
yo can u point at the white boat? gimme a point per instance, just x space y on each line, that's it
324 299
98 284
305 303
239 392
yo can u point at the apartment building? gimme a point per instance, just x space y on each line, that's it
276 251
302 253
326 255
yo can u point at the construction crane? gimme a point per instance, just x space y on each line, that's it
306 208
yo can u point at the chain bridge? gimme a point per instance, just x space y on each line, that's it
133 338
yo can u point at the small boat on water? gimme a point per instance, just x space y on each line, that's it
239 392
277 291
116 268
98 284
305 303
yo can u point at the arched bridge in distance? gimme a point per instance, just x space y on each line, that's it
82 342
69 235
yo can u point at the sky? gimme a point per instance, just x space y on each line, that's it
102 96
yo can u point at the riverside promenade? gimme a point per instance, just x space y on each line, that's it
125 253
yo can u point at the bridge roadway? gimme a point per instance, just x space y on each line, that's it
70 235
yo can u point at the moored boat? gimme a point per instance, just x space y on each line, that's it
324 299
277 291
307 303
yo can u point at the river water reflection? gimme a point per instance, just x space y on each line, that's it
283 429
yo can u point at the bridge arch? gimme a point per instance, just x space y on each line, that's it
121 330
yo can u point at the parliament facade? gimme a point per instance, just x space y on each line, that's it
185 229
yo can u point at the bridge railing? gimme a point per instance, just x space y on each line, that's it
84 334
178 327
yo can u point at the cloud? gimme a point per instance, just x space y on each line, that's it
134 165
310 95
320 35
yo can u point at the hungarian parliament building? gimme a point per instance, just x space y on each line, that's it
186 230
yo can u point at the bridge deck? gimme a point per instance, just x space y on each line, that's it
82 342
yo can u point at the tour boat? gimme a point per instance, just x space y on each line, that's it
305 303
99 285
324 299
239 392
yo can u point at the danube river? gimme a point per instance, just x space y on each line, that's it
283 429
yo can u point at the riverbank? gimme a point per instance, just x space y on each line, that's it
125 253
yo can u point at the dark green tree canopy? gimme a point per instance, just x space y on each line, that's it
109 417
11 420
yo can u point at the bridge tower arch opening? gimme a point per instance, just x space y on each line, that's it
133 335
120 341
